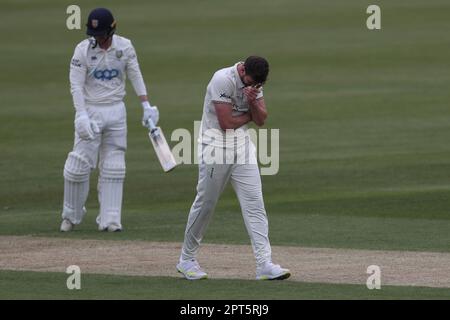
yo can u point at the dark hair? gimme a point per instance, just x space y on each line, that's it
257 68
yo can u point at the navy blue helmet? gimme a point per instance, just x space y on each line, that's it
101 23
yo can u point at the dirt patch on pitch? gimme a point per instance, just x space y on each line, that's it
407 268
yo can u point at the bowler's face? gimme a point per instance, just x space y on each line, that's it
248 81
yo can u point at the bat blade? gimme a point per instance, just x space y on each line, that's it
162 149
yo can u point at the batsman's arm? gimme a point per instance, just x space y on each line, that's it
84 127
226 119
143 98
135 75
77 77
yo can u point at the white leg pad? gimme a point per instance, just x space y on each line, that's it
110 189
76 187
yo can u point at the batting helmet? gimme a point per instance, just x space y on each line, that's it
101 23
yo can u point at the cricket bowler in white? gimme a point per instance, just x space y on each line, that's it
233 98
98 71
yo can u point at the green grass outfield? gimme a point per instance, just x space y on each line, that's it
38 285
363 115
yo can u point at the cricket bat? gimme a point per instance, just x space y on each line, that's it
161 147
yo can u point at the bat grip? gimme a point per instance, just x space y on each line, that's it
150 124
153 129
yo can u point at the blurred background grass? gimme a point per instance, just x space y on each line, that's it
363 117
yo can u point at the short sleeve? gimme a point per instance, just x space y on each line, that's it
221 89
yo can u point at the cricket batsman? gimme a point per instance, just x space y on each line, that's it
233 99
98 70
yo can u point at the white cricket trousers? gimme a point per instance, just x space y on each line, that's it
108 150
246 182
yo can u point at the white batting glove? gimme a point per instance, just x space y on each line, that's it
84 126
95 127
149 112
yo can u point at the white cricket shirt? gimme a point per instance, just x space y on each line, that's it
225 87
98 76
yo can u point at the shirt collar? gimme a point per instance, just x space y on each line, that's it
239 82
111 47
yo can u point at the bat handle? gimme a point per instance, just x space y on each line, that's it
153 129
150 124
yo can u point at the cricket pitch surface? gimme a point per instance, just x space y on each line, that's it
142 258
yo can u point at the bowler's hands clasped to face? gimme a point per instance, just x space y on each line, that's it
251 92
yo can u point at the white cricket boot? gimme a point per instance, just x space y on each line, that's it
66 226
191 270
113 228
270 271
110 228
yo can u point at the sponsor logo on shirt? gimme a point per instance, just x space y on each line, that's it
224 95
107 74
76 63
